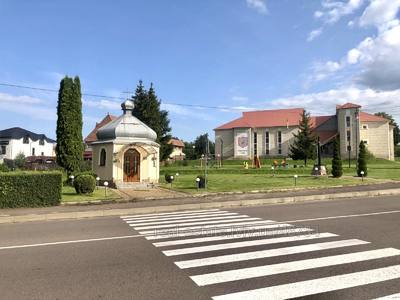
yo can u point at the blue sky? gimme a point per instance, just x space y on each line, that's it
241 54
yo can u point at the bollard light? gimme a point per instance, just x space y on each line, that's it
105 188
72 179
177 174
362 175
172 179
97 182
273 171
295 179
198 182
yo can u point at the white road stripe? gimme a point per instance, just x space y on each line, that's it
227 220
390 297
251 243
232 236
171 213
317 286
224 230
181 218
293 266
72 242
178 216
266 253
208 228
190 220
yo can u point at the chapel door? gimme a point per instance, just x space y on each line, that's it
132 166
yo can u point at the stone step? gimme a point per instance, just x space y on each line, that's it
135 185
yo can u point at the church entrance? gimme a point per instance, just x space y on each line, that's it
132 166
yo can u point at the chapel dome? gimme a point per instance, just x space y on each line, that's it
126 127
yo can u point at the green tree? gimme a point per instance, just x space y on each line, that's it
148 110
303 147
362 160
189 151
337 169
396 129
203 145
69 149
20 161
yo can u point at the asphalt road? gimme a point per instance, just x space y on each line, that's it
347 249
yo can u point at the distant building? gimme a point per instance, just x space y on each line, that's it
16 140
92 137
177 152
269 133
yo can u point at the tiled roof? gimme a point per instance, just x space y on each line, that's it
366 117
266 118
176 143
326 136
92 135
348 105
319 120
18 133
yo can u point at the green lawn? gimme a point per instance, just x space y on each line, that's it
69 195
233 177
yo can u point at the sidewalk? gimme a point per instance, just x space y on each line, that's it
224 200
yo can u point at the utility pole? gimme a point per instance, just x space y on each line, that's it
206 161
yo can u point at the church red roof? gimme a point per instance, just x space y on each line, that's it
92 135
366 117
176 143
348 105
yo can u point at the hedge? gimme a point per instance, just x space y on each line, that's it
30 189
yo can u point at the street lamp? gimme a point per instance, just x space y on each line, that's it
105 188
295 179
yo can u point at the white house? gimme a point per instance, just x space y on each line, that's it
18 140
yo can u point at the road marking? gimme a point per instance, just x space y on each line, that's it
232 236
316 286
293 266
224 230
211 228
190 220
251 243
180 218
171 213
390 297
226 220
266 253
72 242
175 216
344 216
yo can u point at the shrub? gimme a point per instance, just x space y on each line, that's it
30 189
337 169
169 178
4 168
20 161
362 160
397 151
84 184
85 166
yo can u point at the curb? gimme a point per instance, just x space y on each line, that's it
194 206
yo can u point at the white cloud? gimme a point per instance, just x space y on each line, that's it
379 13
333 11
259 5
18 100
102 104
314 34
240 99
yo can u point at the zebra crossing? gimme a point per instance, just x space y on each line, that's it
216 247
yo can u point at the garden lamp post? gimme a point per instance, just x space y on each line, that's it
177 174
72 179
273 171
105 188
295 179
97 182
172 179
198 182
362 175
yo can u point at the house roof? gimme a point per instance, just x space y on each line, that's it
266 118
366 117
176 143
18 133
326 136
92 137
317 121
348 105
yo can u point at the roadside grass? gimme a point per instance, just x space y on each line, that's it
69 195
234 177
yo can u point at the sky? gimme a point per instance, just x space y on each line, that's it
226 56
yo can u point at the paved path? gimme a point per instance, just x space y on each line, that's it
343 249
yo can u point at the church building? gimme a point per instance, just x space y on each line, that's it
269 133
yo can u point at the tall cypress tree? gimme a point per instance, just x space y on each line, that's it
303 147
69 149
337 169
362 160
148 110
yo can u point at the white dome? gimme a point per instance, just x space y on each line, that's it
126 127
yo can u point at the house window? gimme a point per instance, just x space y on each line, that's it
347 121
42 154
26 140
348 136
365 126
33 151
267 143
255 143
3 150
103 156
279 142
41 142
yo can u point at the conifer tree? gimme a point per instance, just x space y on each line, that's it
362 160
337 169
303 147
148 110
69 148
